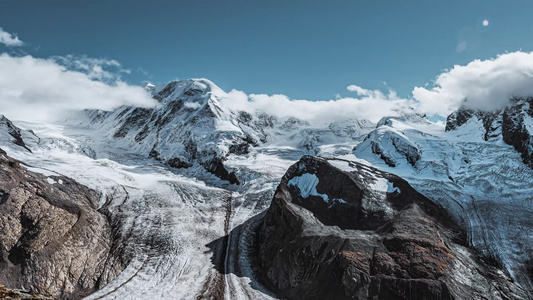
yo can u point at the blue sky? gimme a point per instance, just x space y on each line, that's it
303 49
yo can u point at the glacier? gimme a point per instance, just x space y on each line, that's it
187 183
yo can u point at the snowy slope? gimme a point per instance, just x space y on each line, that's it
484 184
172 227
11 135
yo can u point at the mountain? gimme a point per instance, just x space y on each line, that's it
513 125
190 127
338 229
482 182
195 201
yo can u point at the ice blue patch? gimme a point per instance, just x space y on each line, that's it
307 184
392 189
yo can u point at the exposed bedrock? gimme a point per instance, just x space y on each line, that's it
342 230
52 238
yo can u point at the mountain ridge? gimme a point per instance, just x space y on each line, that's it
154 169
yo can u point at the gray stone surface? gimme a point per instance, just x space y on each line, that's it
52 238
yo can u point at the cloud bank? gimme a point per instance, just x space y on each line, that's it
485 84
9 39
372 105
43 89
35 89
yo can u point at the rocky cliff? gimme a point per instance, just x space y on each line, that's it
513 125
52 238
341 230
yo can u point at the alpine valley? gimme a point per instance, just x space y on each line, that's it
193 199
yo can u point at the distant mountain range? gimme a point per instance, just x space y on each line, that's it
196 200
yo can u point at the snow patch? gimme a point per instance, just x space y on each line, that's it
339 200
342 165
472 131
528 123
381 184
307 184
194 105
391 188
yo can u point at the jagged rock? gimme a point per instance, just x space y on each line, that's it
15 294
341 230
52 238
517 128
513 125
11 133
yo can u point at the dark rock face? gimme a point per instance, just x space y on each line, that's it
52 239
136 118
459 118
515 131
342 230
510 124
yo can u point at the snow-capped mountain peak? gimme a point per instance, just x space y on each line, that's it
148 86
192 126
189 87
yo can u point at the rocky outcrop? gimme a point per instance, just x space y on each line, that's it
513 125
517 128
9 133
14 294
341 230
52 238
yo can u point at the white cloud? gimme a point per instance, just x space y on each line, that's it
372 106
359 90
106 70
143 71
377 94
486 84
42 89
37 89
9 39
